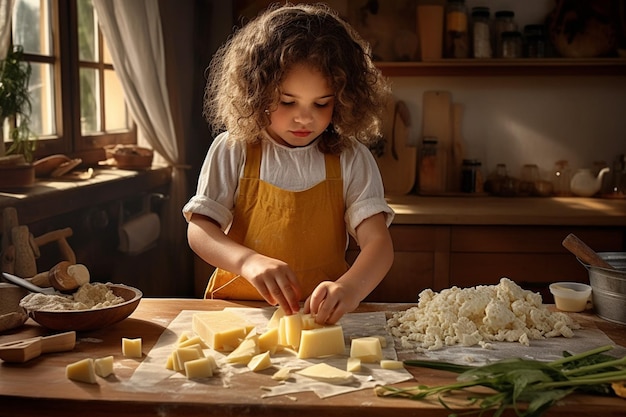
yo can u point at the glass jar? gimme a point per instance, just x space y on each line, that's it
511 45
471 176
456 43
432 167
504 22
534 41
481 33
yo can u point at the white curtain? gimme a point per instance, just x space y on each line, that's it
133 32
6 7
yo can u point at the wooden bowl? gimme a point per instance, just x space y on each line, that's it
133 157
91 319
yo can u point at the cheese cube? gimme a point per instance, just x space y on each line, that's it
282 374
82 371
244 352
195 340
324 341
268 341
131 348
326 373
275 319
353 365
169 364
103 366
293 328
260 362
199 368
183 355
220 330
308 322
367 349
391 364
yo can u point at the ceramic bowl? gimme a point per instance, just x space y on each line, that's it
81 320
570 296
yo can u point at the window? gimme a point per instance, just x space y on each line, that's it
78 102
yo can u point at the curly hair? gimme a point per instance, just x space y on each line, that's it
245 74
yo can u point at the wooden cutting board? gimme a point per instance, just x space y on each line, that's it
437 119
398 162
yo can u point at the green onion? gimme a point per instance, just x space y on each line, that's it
537 384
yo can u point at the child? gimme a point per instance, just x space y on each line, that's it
298 96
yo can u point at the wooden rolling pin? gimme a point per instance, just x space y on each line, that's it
27 349
584 252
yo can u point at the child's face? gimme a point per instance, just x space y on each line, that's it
305 108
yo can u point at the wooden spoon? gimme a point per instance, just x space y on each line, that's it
584 252
27 349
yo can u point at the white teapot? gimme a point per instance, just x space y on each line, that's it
585 184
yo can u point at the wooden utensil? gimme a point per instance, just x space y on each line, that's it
27 349
584 252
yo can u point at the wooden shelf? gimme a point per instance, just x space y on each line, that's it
506 67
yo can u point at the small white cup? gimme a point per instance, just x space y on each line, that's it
570 296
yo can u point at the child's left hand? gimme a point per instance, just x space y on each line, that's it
330 301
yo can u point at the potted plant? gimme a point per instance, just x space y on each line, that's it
15 109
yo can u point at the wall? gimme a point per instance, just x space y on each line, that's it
519 120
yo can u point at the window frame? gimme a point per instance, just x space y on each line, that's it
69 139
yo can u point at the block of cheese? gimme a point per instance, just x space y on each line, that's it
260 362
268 341
367 349
391 364
248 348
131 348
82 371
292 329
220 330
353 365
326 373
324 341
103 366
199 368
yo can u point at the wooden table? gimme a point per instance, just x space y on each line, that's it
39 387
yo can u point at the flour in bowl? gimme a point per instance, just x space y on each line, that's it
88 297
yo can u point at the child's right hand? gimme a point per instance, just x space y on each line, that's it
274 280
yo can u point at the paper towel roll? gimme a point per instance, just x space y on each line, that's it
139 234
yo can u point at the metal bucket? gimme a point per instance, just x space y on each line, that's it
608 286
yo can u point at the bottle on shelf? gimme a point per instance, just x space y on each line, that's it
456 40
504 22
481 33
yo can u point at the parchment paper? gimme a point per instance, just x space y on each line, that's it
151 375
549 349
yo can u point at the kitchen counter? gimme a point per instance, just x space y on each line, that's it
39 387
479 210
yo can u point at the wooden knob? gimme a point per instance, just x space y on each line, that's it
584 252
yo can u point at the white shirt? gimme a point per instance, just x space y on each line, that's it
293 169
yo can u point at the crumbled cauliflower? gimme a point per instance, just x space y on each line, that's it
478 315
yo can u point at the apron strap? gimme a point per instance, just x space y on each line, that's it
252 167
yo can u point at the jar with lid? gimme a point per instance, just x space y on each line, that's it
471 176
432 167
456 40
504 22
496 179
534 41
481 33
511 44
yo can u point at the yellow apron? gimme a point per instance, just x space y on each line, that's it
305 229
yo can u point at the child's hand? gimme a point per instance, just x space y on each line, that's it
274 280
330 301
